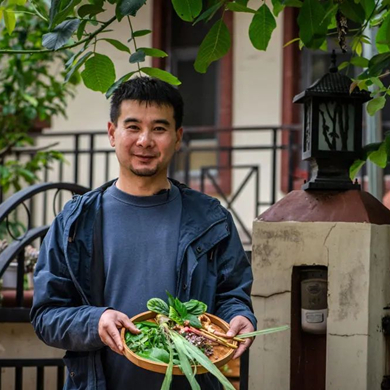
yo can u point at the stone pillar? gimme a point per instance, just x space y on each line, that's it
357 255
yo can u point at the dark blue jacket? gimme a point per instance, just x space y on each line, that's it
69 277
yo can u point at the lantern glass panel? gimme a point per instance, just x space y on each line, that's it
307 128
336 124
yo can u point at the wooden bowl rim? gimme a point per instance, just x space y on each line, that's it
161 367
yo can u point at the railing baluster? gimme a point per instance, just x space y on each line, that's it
20 280
40 378
44 214
19 378
107 163
76 158
274 145
91 154
60 377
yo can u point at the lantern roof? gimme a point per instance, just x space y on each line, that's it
332 84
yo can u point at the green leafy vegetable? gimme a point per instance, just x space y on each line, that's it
158 306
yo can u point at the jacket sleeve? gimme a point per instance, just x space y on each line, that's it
58 315
234 278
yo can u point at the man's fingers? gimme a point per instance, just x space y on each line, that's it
114 334
130 326
242 348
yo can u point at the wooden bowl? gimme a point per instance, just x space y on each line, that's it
162 367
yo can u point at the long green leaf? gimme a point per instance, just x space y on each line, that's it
187 10
379 157
261 27
166 385
209 13
214 46
54 8
353 11
151 52
185 364
382 39
60 35
99 73
312 27
262 332
60 16
117 83
128 7
197 355
9 20
77 66
236 7
117 44
375 105
355 168
161 74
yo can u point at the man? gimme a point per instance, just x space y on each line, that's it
111 250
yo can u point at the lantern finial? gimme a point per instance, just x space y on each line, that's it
333 67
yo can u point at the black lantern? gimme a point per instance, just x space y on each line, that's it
332 130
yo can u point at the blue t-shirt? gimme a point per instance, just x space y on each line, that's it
140 240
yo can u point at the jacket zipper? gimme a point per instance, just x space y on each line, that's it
186 247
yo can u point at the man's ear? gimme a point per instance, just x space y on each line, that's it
179 136
111 133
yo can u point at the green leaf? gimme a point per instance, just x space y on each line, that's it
9 20
194 320
60 35
214 46
77 66
117 83
355 168
312 28
379 157
185 364
187 10
278 7
261 27
243 2
158 306
180 308
196 354
61 15
80 29
161 74
141 33
368 6
171 299
382 39
360 61
174 315
30 99
378 63
353 11
138 56
54 8
168 374
209 13
375 105
153 52
236 7
89 9
263 331
99 73
117 44
195 307
343 65
160 354
128 7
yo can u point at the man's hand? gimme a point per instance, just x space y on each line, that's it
109 323
240 325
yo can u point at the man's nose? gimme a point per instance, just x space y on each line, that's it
145 139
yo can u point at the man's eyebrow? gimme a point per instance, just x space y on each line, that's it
127 120
162 121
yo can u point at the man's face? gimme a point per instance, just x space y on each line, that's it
144 138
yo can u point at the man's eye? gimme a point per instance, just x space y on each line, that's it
132 127
159 128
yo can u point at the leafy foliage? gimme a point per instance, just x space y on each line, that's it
30 91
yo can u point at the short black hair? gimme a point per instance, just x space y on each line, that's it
150 91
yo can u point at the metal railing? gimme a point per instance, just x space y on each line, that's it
40 365
211 160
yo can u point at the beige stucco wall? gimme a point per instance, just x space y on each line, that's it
358 261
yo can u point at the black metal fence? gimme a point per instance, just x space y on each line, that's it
230 163
40 364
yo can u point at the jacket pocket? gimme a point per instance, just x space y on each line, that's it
77 364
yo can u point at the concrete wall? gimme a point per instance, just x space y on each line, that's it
358 261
